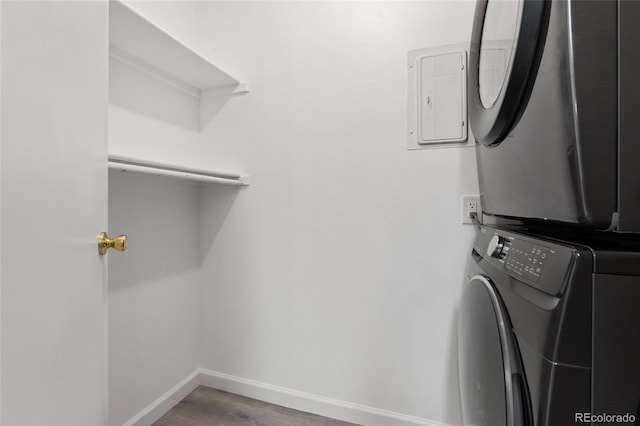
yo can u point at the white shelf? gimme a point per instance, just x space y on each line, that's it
140 43
127 164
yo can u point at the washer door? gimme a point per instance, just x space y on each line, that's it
506 47
493 390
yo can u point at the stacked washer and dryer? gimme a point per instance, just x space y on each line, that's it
549 324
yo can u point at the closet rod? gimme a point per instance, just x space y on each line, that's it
180 174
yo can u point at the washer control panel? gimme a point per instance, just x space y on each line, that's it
541 263
527 259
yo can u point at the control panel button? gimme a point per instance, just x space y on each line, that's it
527 260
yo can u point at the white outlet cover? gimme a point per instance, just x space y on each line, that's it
465 211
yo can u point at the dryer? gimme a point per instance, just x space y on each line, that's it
548 330
553 103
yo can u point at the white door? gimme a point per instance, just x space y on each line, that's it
53 205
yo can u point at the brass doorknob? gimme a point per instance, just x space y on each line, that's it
105 243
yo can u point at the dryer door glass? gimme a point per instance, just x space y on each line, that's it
499 36
492 386
506 46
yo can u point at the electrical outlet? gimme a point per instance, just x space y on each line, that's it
470 204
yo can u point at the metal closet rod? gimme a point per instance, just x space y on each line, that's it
126 164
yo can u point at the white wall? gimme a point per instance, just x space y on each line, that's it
154 288
338 272
1 217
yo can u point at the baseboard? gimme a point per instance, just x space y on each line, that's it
329 407
166 402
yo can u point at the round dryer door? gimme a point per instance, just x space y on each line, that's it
493 391
506 47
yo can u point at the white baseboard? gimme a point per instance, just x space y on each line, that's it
328 407
166 402
323 406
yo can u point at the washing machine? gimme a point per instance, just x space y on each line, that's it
553 103
549 329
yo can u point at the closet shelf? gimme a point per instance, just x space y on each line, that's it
127 164
140 43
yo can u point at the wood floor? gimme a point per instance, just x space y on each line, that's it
207 407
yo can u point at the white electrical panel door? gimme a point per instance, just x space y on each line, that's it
437 97
441 109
